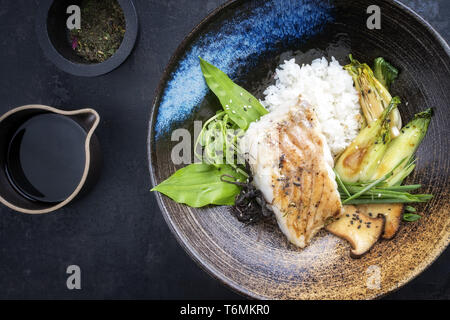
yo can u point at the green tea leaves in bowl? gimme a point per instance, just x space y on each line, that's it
102 30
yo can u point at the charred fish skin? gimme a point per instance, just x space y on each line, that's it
292 166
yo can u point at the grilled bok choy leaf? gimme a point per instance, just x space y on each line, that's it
384 72
358 163
374 97
393 164
400 151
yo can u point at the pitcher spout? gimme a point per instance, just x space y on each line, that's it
87 118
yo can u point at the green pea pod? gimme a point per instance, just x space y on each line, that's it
242 107
200 184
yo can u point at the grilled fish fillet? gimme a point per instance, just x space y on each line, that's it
292 166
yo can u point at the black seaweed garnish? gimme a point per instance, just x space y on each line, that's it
250 205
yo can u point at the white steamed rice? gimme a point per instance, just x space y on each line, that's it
326 86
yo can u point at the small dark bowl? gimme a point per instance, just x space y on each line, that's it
247 40
52 34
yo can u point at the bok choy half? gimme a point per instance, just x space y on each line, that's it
374 97
373 167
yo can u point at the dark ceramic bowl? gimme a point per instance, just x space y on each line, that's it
53 37
247 40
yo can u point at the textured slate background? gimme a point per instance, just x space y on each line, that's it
116 234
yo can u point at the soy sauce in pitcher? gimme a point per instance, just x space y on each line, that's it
46 158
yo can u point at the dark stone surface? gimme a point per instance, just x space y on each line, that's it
116 233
